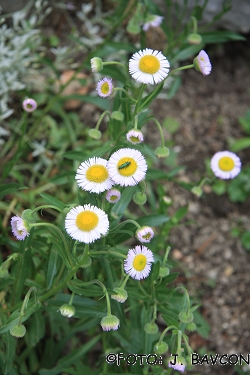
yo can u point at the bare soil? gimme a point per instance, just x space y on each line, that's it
215 267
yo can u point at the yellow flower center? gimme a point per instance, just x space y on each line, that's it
113 197
105 88
146 236
226 163
149 64
87 220
127 166
140 262
97 173
134 139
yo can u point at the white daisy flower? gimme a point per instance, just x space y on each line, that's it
153 20
149 66
138 262
29 105
19 228
86 223
113 195
145 234
135 136
225 164
104 87
92 175
127 167
202 63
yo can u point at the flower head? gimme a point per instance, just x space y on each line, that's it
86 223
138 262
18 330
19 227
202 63
145 234
149 66
92 175
120 296
113 195
177 363
153 20
225 165
135 136
104 87
110 322
67 310
127 167
96 64
29 105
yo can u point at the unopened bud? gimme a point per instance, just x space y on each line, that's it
140 198
18 330
95 134
151 328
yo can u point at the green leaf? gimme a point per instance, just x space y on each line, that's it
53 201
203 327
96 100
10 188
119 208
11 343
85 289
245 240
220 36
36 329
84 154
61 251
145 102
52 267
240 144
71 358
170 319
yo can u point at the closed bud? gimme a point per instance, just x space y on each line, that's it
110 322
96 64
18 330
191 327
164 271
160 348
120 296
186 317
162 152
197 190
117 115
194 38
140 198
151 328
95 134
67 310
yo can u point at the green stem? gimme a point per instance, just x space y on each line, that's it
126 93
101 118
166 256
139 99
186 292
46 206
160 130
194 24
108 252
25 302
116 63
165 331
125 282
125 222
61 235
181 68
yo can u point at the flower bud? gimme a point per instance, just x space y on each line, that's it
120 296
163 271
67 310
151 328
117 115
197 190
194 38
160 348
96 64
18 330
191 327
140 198
162 152
186 317
110 322
95 134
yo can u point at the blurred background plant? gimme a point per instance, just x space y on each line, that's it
46 51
